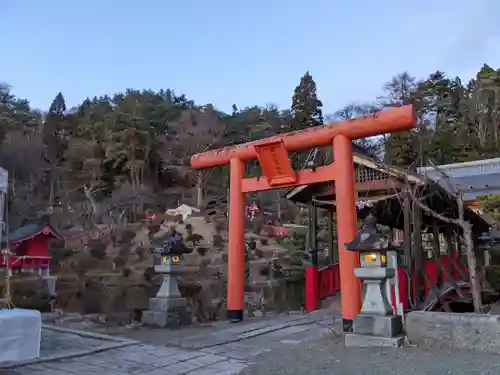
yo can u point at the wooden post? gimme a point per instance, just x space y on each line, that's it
437 251
312 272
236 253
350 287
314 234
471 263
417 252
471 257
309 244
407 230
450 246
331 253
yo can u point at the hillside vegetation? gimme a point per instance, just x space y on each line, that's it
95 169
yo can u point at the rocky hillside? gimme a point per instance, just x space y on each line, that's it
111 274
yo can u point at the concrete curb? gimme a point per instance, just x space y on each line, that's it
92 335
477 332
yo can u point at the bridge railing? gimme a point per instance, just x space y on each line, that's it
320 283
324 282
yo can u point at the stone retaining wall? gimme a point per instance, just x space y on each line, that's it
466 331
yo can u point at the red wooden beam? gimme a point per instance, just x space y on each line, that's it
388 121
304 177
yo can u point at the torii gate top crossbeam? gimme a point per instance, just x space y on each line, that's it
387 121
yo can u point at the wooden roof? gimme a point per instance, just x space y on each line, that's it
31 230
380 188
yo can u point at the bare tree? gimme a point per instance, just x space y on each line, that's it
195 131
466 232
21 155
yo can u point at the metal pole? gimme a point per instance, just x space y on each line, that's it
6 254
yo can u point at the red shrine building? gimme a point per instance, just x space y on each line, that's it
29 250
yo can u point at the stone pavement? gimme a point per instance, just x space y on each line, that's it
286 345
225 351
136 359
251 334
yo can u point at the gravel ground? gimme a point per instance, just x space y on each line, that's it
329 356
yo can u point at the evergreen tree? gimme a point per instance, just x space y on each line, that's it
55 135
58 106
306 112
54 129
141 140
306 106
402 148
15 113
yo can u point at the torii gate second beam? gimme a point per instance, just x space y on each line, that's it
272 154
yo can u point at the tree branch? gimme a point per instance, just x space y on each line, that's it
428 210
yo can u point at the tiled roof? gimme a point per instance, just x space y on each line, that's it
30 229
24 231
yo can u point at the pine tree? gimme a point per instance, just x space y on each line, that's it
306 112
306 107
58 106
54 130
55 138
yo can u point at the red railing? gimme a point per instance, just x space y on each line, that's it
329 281
320 284
26 262
325 282
434 271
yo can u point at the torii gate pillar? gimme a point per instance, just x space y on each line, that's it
346 228
276 167
236 259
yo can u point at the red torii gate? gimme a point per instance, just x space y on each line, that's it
272 154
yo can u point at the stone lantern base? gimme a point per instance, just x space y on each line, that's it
166 312
376 331
168 309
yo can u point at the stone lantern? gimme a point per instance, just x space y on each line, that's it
376 325
168 308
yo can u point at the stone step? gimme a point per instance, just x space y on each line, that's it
355 340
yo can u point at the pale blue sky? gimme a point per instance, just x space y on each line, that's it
243 52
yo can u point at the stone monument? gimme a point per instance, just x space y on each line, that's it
168 308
